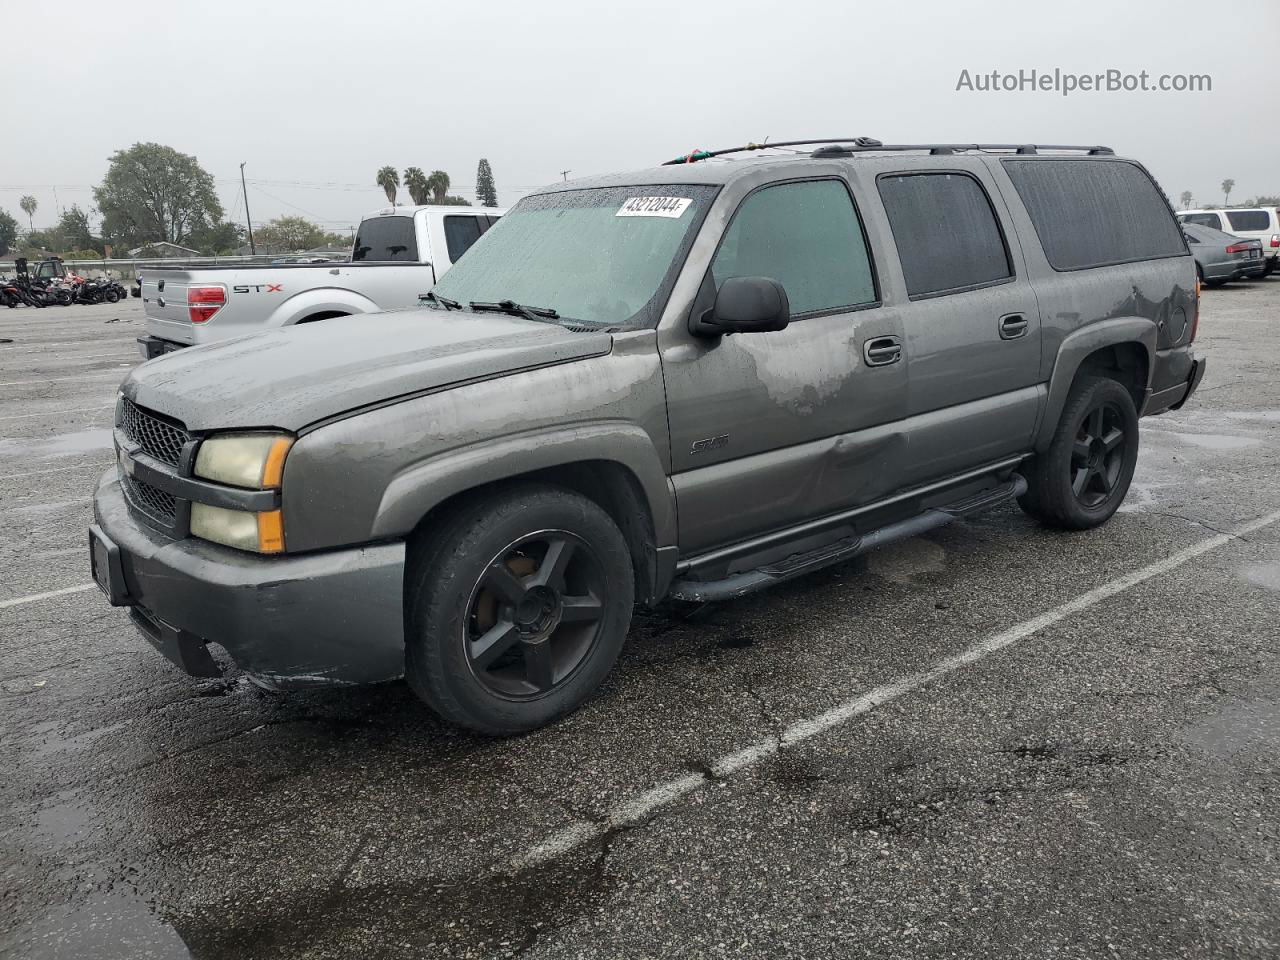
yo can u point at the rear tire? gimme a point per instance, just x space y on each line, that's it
518 608
112 296
1081 480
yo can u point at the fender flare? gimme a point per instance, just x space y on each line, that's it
1077 346
319 300
421 487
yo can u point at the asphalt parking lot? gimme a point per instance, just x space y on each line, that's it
993 741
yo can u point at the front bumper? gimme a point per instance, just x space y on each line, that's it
310 620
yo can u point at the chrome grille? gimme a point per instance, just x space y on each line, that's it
151 501
158 437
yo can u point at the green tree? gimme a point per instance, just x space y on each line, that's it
388 180
486 191
29 204
1186 199
152 192
292 234
438 184
8 232
217 238
74 231
450 200
1226 191
415 181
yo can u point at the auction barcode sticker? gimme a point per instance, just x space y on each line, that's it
654 207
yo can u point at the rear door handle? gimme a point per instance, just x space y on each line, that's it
882 351
1012 326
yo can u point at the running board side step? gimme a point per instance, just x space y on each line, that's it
749 581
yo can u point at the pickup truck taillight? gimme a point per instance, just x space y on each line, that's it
1238 248
204 302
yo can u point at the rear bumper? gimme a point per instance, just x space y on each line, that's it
1172 398
310 620
151 347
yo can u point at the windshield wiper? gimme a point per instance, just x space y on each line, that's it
516 309
445 302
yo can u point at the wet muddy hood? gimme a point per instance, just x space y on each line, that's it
293 377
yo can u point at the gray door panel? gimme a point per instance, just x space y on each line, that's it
792 408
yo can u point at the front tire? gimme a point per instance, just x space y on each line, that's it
1081 480
518 608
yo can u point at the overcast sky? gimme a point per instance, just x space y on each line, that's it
316 96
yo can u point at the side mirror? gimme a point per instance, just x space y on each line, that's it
744 305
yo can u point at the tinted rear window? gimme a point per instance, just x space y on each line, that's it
386 238
1090 213
1249 220
1203 219
460 233
946 232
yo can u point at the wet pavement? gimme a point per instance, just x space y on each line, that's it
993 741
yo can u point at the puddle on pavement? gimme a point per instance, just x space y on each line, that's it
109 926
1263 574
1252 725
1216 441
902 562
61 445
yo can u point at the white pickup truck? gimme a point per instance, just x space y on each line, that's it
399 253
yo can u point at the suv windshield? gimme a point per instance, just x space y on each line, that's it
603 256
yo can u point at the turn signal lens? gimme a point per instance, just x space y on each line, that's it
258 532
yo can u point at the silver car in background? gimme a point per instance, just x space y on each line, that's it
1221 256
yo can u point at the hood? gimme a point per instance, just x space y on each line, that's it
292 377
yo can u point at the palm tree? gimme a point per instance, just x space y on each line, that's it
389 180
415 181
1186 199
438 184
29 205
1226 191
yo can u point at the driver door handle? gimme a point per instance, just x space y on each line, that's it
882 351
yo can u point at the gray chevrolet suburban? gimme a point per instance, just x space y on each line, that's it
692 381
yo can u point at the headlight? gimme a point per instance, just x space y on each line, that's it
242 529
252 460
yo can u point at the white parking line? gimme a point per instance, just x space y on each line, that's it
91 376
19 601
642 805
99 464
53 413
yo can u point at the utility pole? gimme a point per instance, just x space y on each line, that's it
565 173
248 222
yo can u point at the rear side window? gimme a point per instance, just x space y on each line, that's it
1249 219
460 233
1091 213
383 239
1203 219
947 235
807 237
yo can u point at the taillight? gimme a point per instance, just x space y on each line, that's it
1275 239
1238 248
1195 316
204 302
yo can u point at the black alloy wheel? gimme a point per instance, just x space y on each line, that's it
1097 457
534 615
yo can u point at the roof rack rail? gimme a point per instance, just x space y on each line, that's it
848 146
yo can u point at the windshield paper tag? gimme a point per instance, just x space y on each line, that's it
672 207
